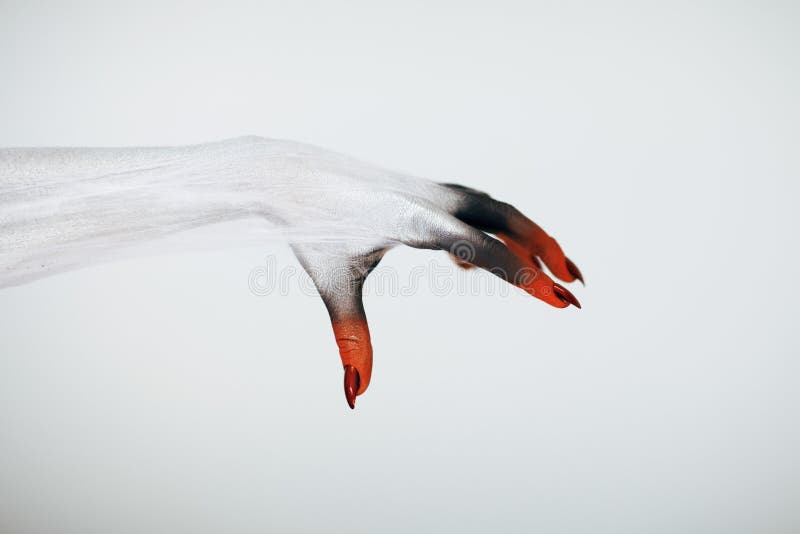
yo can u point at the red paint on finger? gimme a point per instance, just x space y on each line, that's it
537 244
535 281
543 288
355 348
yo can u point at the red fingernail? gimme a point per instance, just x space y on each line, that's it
566 296
351 383
574 271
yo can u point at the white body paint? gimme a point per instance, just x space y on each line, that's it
64 208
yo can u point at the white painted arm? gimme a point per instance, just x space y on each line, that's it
62 208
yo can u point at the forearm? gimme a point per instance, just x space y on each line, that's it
32 175
57 202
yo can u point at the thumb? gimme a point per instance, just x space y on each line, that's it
339 278
355 348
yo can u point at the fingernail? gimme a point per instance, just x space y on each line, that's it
351 383
536 262
566 296
574 271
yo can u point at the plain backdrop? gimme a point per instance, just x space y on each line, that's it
657 141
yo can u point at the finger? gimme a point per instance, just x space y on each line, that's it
440 230
355 350
339 278
522 236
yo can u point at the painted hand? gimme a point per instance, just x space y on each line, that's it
446 217
61 207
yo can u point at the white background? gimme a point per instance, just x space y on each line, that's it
657 142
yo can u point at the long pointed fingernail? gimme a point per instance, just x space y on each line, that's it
574 271
566 296
351 383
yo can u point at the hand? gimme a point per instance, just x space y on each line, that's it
445 217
